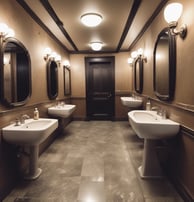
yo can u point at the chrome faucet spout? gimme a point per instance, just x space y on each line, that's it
23 118
160 112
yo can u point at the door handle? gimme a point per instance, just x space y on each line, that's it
109 95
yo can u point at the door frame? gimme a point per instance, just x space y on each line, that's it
104 59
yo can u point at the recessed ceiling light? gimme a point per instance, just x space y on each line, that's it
96 46
91 19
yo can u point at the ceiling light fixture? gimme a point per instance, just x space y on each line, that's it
91 19
96 46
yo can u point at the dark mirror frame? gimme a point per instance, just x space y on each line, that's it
138 75
3 45
52 79
170 67
67 80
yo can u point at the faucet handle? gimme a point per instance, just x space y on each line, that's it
164 114
17 122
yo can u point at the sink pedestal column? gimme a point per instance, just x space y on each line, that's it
150 166
33 172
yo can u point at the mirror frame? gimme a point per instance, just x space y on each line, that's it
3 44
49 80
67 83
139 74
171 67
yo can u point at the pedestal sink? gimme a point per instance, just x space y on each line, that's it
151 127
63 111
132 102
31 133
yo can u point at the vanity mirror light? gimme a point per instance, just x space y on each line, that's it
165 65
15 72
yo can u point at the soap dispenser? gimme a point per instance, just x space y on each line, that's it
148 105
36 114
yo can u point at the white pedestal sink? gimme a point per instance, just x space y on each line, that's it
132 102
63 111
151 127
31 133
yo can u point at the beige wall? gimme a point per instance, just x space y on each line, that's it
185 61
123 73
180 150
35 39
123 83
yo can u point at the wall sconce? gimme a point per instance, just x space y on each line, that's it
172 13
5 31
66 63
49 55
58 59
140 54
130 61
135 55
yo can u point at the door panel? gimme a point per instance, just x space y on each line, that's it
100 88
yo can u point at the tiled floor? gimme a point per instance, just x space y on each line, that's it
93 161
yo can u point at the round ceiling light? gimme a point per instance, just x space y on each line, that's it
96 46
91 19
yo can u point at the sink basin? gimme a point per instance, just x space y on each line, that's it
149 125
62 111
132 102
32 132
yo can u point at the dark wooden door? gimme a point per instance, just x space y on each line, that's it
100 88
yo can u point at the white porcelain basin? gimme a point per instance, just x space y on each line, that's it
32 132
62 111
132 102
149 125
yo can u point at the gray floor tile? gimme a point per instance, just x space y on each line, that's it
94 161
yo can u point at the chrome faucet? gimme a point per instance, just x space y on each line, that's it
23 118
160 112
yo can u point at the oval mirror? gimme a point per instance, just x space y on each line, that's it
138 75
67 80
15 73
165 65
52 79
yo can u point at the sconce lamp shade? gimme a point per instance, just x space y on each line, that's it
58 58
10 33
3 29
134 54
130 60
140 51
47 51
53 55
172 12
66 63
